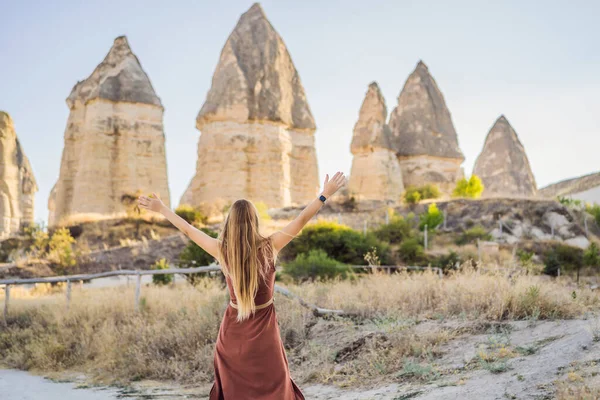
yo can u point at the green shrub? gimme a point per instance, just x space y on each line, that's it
432 218
448 260
262 209
395 231
472 234
595 211
190 214
315 264
340 242
194 256
472 188
565 257
60 250
412 251
569 202
414 194
163 279
591 256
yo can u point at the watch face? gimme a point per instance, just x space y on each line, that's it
322 198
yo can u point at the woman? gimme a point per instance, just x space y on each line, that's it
250 361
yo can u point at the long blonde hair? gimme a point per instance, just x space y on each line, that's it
245 254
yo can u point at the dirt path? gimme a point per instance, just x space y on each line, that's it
543 352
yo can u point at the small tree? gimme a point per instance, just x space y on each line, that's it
61 249
163 279
315 265
262 209
414 194
472 188
194 256
591 257
190 214
432 218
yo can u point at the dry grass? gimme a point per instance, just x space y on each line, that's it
172 337
464 294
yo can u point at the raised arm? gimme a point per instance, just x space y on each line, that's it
281 238
210 245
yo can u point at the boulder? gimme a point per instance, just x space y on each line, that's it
114 143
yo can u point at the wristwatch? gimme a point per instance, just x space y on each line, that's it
322 198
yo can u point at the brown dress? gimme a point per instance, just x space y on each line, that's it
250 361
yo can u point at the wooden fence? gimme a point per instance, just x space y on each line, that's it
69 279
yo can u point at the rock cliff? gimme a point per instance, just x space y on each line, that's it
114 143
375 173
257 139
585 188
423 134
503 165
18 183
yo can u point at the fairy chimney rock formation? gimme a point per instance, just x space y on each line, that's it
375 173
423 134
503 165
114 143
18 183
257 130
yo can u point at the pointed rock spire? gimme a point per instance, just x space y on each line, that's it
371 130
421 123
257 137
255 79
375 173
119 77
18 183
423 136
114 143
503 165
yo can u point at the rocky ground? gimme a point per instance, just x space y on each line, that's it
525 360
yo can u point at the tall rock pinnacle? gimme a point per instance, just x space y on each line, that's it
375 173
257 129
503 165
18 183
114 142
423 134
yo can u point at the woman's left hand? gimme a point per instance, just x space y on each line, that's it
152 202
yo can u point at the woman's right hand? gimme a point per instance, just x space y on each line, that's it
334 184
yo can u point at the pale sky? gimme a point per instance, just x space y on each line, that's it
536 62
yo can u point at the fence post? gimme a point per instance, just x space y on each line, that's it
365 227
445 218
138 289
587 232
68 294
6 301
558 272
440 273
478 251
500 225
552 230
387 217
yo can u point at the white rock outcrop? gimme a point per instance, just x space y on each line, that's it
257 130
375 173
114 142
18 183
